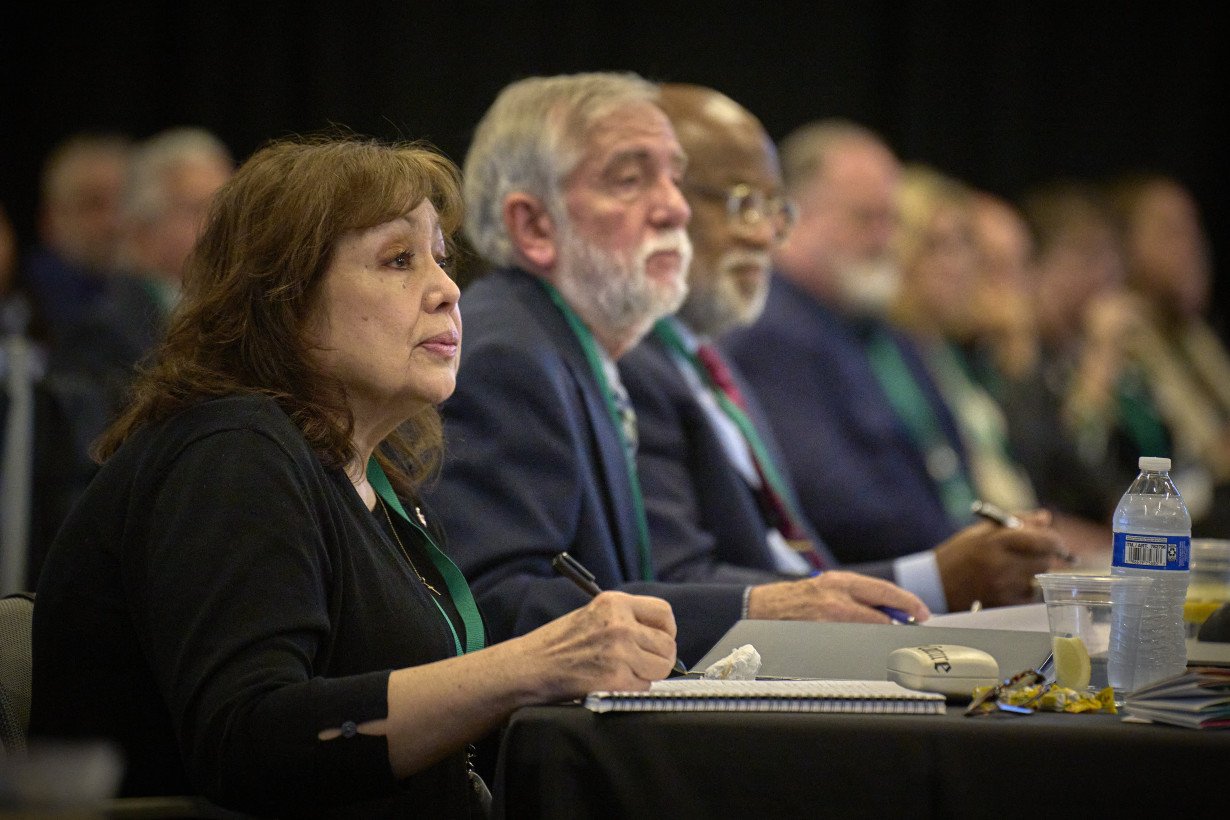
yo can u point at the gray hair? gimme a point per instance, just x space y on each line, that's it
806 149
145 188
530 140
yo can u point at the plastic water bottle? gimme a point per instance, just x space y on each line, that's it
1153 534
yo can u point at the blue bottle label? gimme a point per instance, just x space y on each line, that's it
1152 551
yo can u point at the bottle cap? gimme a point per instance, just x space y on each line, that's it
1154 463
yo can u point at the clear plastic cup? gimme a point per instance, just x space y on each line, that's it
1080 611
1209 584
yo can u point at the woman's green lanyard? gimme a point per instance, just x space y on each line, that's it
665 331
595 364
458 589
915 411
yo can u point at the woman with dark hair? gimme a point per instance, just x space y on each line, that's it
249 599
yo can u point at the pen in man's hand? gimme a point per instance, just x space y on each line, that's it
1006 519
574 571
993 513
899 616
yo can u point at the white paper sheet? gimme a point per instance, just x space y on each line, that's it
1024 618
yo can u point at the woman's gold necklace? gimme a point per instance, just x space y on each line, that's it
402 547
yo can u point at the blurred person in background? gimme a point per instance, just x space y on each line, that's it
80 189
720 505
833 372
1184 361
1084 315
975 331
876 455
720 501
1007 359
9 285
22 364
171 179
937 304
1006 335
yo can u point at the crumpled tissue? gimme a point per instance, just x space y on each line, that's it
742 664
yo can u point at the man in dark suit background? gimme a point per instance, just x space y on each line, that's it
169 181
863 466
706 497
79 225
709 470
572 195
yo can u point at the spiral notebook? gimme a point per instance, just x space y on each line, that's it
701 695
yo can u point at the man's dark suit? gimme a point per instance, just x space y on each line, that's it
704 518
534 466
86 386
862 481
126 323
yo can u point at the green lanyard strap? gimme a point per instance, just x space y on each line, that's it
912 407
955 373
458 589
595 364
1138 413
666 331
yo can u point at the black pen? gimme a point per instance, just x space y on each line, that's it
993 513
898 615
1006 519
574 571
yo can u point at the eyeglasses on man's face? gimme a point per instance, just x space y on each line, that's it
747 207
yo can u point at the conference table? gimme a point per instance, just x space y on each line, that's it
567 762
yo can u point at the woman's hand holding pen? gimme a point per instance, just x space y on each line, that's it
616 641
835 595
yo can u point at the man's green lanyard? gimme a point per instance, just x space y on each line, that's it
1138 413
458 589
163 294
665 330
915 411
595 364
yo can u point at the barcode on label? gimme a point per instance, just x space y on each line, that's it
1150 555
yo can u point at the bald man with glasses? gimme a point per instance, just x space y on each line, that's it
719 506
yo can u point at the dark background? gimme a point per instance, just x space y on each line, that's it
1003 96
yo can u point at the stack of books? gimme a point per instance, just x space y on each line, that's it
1198 698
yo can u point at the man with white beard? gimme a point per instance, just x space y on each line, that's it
720 501
572 196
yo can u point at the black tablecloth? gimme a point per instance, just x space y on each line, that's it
564 761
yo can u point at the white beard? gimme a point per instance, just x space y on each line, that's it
614 289
720 305
869 288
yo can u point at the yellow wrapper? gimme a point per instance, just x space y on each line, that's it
1061 699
